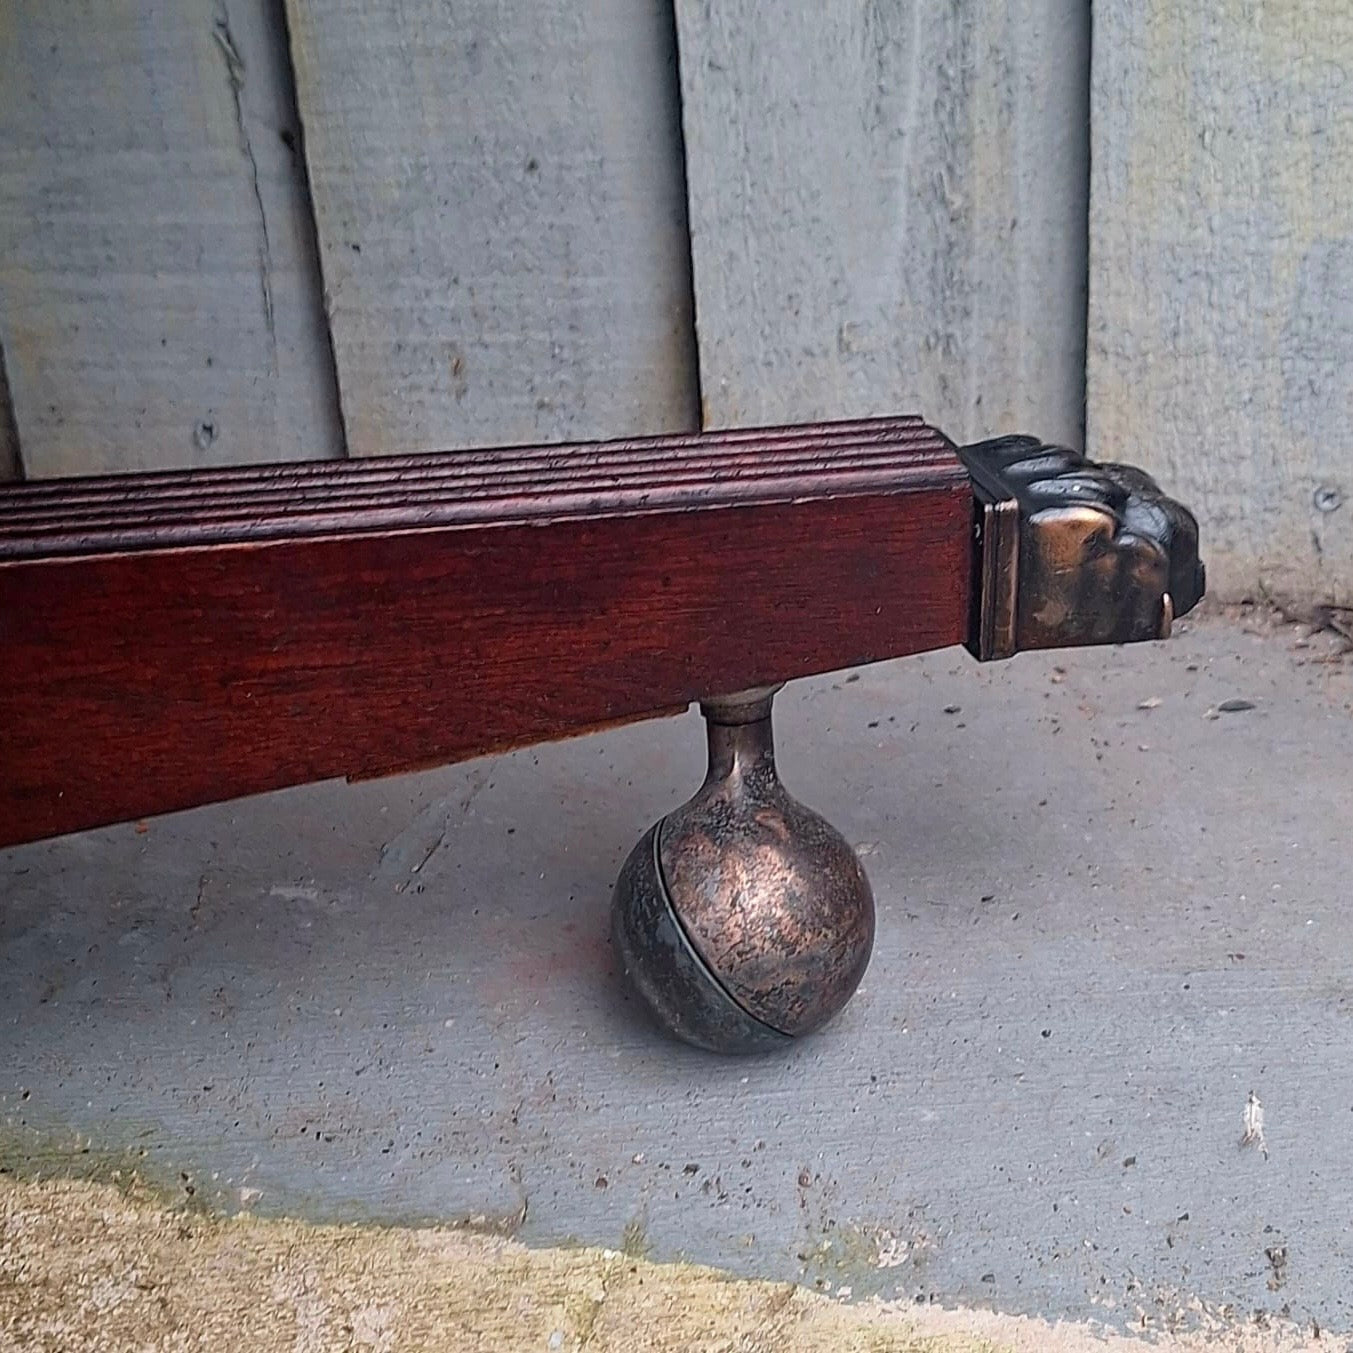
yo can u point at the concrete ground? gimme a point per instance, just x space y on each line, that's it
1112 905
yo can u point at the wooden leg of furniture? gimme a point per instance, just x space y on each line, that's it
176 639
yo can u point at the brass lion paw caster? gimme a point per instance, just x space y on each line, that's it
1070 553
743 919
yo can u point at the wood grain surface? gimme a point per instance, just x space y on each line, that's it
1221 279
212 636
887 210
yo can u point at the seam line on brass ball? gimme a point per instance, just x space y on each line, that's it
689 942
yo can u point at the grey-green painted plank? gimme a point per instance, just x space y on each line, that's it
159 296
1221 277
888 209
499 198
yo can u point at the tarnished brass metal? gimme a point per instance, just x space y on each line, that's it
746 919
1070 552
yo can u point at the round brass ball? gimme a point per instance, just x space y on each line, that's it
743 918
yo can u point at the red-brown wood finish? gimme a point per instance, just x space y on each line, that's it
172 640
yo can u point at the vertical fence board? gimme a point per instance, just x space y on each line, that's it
888 210
499 196
159 295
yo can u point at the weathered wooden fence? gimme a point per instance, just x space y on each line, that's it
236 230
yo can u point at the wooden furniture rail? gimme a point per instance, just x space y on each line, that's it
175 639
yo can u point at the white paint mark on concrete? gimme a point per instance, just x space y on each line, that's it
293 893
1253 1119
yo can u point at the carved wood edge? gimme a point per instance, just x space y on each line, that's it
177 639
503 487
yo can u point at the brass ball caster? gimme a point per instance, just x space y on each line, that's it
743 919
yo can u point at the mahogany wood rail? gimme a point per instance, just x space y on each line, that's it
175 639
